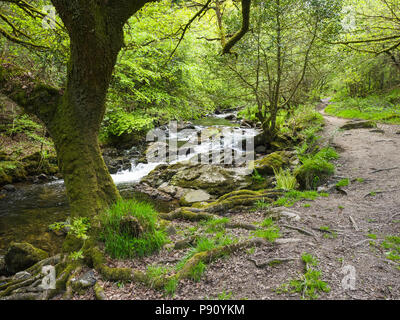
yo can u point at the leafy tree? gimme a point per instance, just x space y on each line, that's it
73 114
275 56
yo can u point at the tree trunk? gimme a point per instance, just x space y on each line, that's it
73 117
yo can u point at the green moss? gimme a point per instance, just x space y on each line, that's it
11 171
274 161
21 256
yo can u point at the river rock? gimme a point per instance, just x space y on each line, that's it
84 282
351 125
21 256
196 196
9 188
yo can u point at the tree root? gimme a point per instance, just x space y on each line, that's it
29 288
270 262
189 214
212 255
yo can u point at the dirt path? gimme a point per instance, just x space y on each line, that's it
375 277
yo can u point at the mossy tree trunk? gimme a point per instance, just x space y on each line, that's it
73 115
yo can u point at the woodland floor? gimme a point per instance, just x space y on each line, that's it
362 152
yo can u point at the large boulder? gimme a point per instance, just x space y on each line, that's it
215 180
21 256
273 161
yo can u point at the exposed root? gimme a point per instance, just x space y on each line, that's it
270 262
211 255
189 214
242 198
29 287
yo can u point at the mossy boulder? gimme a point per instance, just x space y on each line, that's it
11 171
21 256
35 164
359 125
273 161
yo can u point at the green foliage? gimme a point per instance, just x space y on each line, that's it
310 283
197 271
392 245
257 177
379 107
121 122
292 197
120 244
285 180
343 183
262 205
315 168
215 225
225 295
269 231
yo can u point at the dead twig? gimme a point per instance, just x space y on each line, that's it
353 222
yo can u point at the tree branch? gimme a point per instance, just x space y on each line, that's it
246 4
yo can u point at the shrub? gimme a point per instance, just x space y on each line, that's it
122 244
316 169
313 173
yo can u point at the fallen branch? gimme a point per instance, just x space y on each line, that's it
382 170
353 222
308 233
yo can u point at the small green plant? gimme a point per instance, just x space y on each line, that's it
269 232
155 274
215 225
285 180
360 180
171 286
372 193
343 183
392 244
262 205
372 236
257 177
197 271
76 255
310 284
225 295
328 232
292 197
341 207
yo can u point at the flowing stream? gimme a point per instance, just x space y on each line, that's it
26 214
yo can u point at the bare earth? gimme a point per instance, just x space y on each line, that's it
362 152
